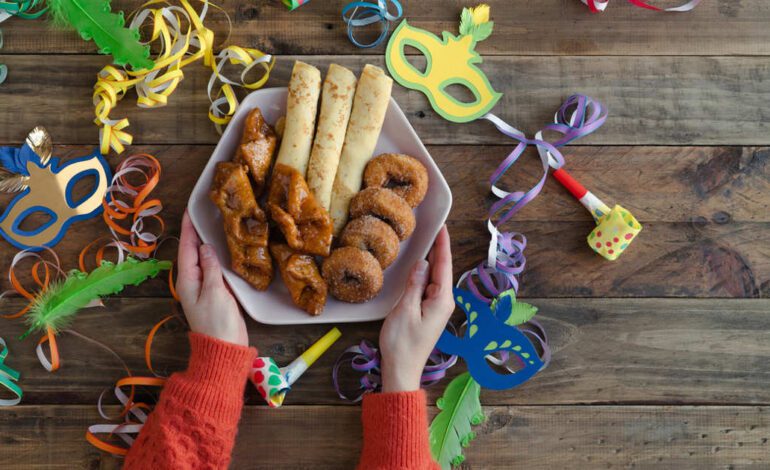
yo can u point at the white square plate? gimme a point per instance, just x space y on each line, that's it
274 306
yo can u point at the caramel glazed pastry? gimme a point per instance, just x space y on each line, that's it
245 224
380 219
300 274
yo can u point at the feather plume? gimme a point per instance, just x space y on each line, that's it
56 307
93 19
450 430
475 22
11 182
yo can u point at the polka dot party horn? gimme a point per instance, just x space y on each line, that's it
615 228
273 382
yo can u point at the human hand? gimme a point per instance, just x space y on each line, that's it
412 328
208 305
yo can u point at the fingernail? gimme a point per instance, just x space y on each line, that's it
421 267
206 251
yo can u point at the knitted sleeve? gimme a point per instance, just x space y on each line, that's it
194 424
396 432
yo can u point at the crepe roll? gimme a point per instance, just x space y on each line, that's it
301 109
336 103
369 107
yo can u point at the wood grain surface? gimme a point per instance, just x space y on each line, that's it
661 359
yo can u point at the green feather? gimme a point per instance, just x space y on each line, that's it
56 306
520 312
451 429
93 19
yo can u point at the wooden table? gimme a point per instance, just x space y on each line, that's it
661 359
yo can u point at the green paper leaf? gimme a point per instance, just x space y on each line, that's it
466 22
451 430
520 313
93 19
482 31
57 306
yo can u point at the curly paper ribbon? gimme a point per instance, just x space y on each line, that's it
364 358
577 117
8 378
182 39
362 13
129 202
597 6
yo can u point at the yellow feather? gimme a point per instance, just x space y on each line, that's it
480 14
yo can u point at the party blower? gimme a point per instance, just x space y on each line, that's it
615 228
273 382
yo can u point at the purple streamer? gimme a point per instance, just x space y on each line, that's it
364 358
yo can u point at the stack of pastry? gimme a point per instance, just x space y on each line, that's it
315 183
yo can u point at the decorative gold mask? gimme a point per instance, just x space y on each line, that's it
47 187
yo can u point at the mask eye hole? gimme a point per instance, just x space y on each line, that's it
505 362
416 58
34 220
81 187
461 92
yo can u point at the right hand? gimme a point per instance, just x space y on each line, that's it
208 305
412 328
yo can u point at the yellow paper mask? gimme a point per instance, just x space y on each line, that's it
449 61
47 187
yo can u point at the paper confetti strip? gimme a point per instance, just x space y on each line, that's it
597 6
8 378
182 38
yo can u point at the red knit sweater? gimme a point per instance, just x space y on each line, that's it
195 421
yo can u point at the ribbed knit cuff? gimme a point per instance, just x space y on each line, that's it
396 430
215 378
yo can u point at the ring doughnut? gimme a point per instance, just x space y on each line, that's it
402 174
373 235
386 206
352 275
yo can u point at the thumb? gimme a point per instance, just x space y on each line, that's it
415 287
212 271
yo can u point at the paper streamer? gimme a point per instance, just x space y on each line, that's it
364 359
8 378
128 209
597 6
360 14
179 33
273 382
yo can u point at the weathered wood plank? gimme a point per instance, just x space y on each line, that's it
605 351
545 27
704 211
512 437
652 100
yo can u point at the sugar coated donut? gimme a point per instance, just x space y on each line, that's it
386 206
373 235
352 275
402 174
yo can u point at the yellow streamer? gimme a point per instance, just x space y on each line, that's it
182 39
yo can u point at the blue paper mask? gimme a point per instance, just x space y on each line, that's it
486 334
46 186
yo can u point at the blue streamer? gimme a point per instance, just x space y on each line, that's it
362 13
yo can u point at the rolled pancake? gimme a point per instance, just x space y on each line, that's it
301 109
369 107
336 102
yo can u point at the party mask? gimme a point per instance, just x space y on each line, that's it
489 332
46 187
449 61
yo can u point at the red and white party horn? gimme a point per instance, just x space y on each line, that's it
615 228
